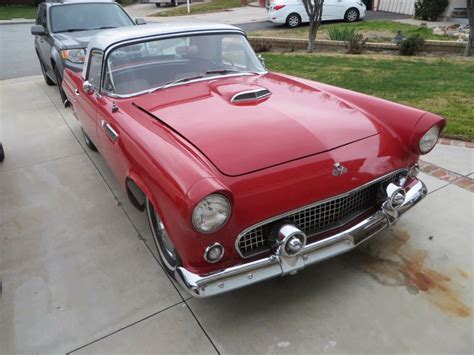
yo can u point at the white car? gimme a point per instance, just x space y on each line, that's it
292 12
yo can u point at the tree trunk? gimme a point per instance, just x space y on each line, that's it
467 51
470 11
312 37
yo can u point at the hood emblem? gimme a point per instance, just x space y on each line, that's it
338 169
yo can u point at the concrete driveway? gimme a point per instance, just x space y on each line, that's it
79 272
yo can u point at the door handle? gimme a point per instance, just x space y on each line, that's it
109 131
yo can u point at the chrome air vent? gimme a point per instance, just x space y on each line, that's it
251 95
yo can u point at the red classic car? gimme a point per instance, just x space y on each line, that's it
244 174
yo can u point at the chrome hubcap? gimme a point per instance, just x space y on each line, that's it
293 21
162 240
168 245
87 140
352 15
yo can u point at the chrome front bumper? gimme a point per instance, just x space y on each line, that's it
279 265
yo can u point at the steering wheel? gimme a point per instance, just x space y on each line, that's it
228 60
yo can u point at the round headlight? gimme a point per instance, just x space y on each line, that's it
428 141
211 213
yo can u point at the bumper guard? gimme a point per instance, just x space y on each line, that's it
279 265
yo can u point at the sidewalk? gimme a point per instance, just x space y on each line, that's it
17 21
232 16
429 24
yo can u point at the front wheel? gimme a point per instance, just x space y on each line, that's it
166 251
352 15
293 20
88 141
2 153
59 82
47 79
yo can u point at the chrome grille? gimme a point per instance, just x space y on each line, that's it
316 218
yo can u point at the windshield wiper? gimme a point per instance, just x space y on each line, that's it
230 71
73 30
169 83
104 28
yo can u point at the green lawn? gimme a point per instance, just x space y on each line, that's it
10 12
442 86
127 2
377 31
196 8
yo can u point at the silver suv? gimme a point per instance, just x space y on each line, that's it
63 30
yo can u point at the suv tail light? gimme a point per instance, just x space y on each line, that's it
278 7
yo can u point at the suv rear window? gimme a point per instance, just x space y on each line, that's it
83 17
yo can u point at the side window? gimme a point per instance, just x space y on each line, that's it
44 18
233 52
41 17
95 69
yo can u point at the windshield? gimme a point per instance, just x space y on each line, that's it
83 17
157 64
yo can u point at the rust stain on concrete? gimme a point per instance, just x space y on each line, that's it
462 273
392 262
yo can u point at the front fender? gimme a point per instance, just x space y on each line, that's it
399 120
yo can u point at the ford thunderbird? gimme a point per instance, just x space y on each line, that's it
244 174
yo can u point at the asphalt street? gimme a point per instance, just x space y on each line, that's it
17 54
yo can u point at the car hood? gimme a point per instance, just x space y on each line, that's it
79 39
293 122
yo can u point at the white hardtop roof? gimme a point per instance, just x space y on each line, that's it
106 38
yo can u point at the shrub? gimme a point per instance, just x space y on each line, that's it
340 33
429 10
355 43
412 45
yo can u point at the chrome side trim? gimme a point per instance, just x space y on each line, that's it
279 265
283 215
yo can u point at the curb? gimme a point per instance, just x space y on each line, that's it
464 182
17 22
450 47
456 143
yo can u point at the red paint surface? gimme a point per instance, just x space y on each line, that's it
183 143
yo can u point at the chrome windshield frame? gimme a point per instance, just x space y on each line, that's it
139 40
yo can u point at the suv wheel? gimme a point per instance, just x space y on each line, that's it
59 82
47 79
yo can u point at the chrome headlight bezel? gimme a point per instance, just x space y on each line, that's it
77 55
221 217
428 141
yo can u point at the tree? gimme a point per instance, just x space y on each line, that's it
430 10
314 9
470 13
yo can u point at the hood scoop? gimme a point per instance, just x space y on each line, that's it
250 95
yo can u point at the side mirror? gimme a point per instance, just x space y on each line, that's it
140 21
88 87
38 30
262 60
